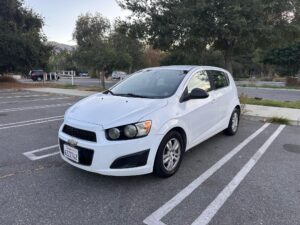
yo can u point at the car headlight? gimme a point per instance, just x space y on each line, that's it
114 133
129 131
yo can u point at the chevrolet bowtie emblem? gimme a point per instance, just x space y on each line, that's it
72 142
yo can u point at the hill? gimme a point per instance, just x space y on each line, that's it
62 47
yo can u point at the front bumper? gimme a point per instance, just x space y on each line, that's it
106 153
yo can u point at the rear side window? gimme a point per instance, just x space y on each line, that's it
219 79
199 80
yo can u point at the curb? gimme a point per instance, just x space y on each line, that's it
265 113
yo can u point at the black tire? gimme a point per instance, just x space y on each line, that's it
159 167
232 130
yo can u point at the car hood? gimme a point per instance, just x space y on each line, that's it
109 111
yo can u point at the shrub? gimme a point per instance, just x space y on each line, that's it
292 81
279 120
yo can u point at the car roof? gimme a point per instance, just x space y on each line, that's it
174 67
185 67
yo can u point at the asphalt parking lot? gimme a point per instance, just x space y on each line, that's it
251 178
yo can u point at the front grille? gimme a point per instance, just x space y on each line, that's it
85 155
79 133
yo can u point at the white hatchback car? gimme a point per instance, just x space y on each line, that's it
145 123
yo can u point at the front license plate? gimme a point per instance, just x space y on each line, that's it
71 153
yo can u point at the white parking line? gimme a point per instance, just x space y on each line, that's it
155 217
23 96
33 157
12 89
35 100
7 90
30 122
18 92
218 202
34 107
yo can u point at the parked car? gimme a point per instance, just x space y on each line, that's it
146 122
36 75
83 74
118 74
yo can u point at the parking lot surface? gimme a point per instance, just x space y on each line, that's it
251 178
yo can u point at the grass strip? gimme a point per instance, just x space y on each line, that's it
266 102
279 120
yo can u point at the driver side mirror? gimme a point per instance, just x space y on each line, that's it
196 93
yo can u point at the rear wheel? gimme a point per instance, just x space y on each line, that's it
234 122
169 155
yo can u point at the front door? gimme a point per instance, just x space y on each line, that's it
199 114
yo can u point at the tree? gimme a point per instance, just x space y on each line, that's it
286 59
153 57
62 60
22 44
128 49
94 49
104 49
227 26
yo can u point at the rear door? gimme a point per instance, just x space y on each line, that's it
221 93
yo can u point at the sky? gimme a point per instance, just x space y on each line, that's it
60 15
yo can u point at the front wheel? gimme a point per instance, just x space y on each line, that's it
169 155
233 123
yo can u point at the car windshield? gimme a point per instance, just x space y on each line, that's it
150 84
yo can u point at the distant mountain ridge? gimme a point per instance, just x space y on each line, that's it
58 47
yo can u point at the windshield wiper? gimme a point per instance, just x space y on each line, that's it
108 91
132 95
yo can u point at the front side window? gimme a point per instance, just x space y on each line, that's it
157 83
219 79
199 80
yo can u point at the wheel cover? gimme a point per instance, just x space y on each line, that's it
171 154
234 122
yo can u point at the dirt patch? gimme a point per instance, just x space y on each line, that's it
7 79
17 85
6 83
